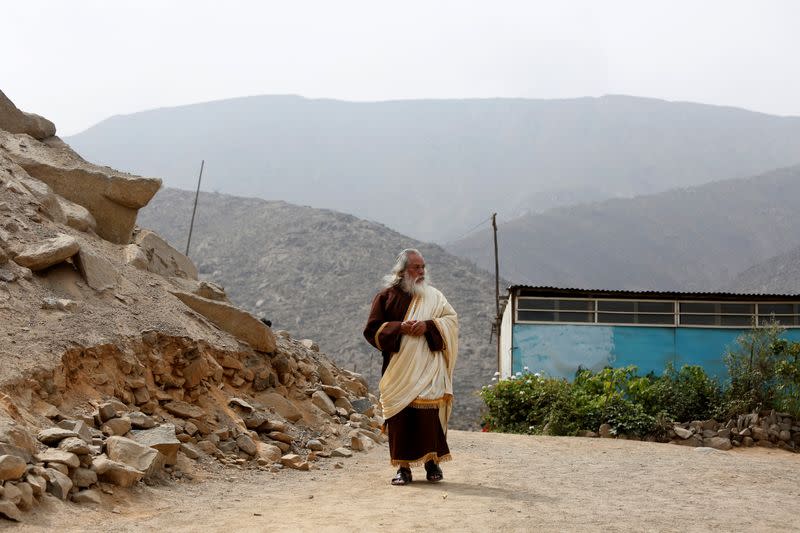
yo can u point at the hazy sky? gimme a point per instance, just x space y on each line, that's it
78 62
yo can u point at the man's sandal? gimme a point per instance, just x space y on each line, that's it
403 476
433 472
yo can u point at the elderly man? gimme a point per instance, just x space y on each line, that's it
415 328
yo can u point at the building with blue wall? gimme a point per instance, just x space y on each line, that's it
556 331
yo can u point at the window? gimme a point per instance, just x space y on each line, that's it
636 312
530 309
783 313
555 310
655 312
716 314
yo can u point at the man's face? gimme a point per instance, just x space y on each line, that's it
415 268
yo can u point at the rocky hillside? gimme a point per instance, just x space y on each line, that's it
779 275
450 162
118 366
314 272
695 238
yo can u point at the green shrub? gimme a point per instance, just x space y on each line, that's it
631 404
523 404
787 372
606 382
627 418
605 397
530 403
764 373
683 395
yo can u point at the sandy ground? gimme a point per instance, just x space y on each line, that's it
495 482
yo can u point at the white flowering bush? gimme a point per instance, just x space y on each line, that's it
630 404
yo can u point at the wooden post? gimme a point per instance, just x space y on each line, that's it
191 224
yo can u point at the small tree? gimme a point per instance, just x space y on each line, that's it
752 369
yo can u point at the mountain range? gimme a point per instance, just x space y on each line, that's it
696 238
432 169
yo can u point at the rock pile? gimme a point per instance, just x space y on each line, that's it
768 429
118 366
289 409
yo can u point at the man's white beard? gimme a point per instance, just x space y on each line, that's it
415 289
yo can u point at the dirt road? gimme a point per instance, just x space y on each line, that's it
495 483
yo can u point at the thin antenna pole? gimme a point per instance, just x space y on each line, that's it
194 210
496 267
496 288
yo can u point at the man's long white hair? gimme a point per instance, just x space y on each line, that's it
395 279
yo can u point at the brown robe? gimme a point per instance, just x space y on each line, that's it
415 435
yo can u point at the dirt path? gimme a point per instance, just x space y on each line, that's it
496 482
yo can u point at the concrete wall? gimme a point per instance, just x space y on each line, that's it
558 349
505 342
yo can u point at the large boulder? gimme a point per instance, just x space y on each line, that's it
718 443
54 455
98 271
116 472
235 321
46 253
135 455
246 444
184 410
268 452
52 436
15 121
10 449
134 256
204 289
116 426
280 405
79 428
58 484
162 258
75 445
11 467
324 402
113 198
10 511
161 438
38 483
84 477
14 440
292 460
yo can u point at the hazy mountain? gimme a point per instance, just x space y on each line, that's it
434 168
314 272
778 275
694 238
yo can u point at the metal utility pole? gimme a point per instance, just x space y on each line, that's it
496 288
194 210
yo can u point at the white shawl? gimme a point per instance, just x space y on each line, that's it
415 375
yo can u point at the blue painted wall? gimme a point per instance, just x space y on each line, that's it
558 349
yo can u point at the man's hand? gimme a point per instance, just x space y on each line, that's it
415 328
419 328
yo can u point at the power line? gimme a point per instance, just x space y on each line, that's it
473 228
